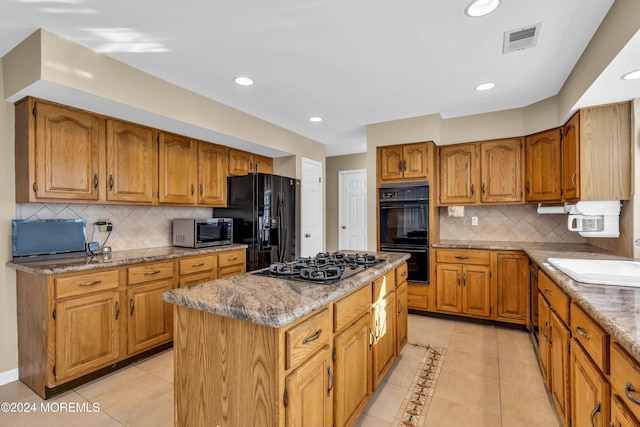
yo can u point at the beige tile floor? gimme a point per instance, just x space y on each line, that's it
489 378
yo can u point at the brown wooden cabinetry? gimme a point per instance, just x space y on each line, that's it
213 163
403 313
383 324
571 159
625 383
501 171
197 269
543 167
178 169
512 287
590 391
403 162
621 416
544 342
459 174
263 164
242 163
132 163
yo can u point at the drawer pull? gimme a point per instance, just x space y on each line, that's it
313 337
404 273
548 292
582 333
198 265
461 257
332 380
95 282
151 273
593 414
628 390
232 259
371 338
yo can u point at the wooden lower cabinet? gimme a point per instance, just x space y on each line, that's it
150 317
590 391
544 345
621 416
384 345
309 392
559 336
353 387
512 287
418 296
463 290
402 308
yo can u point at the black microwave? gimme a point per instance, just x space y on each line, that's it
200 233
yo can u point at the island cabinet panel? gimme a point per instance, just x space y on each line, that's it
178 169
403 314
384 339
307 338
132 163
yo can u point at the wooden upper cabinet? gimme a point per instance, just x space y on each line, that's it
132 163
213 164
240 162
543 166
263 164
178 169
459 174
571 159
59 153
501 168
409 162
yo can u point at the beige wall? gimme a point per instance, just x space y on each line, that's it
8 321
334 166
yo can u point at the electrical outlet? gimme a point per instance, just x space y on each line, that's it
103 224
474 220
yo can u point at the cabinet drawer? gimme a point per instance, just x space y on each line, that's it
232 270
197 264
349 308
593 338
625 377
384 285
558 300
194 279
149 272
417 301
402 272
231 258
307 337
462 256
85 283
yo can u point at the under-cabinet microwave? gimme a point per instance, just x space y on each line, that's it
200 233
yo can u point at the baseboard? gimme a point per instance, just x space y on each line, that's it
7 377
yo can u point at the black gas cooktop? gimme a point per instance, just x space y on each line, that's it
324 268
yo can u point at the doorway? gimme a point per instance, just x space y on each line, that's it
352 209
311 208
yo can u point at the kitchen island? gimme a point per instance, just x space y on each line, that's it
255 350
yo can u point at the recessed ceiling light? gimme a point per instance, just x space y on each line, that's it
315 119
481 7
631 75
485 86
243 81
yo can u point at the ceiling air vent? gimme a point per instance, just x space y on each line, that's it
522 38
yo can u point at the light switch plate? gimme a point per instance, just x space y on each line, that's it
456 211
474 220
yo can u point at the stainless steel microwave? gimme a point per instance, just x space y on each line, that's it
200 233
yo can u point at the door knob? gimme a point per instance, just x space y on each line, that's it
307 235
344 227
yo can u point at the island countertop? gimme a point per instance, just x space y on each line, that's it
274 302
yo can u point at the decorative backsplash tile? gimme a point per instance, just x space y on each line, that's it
507 223
134 227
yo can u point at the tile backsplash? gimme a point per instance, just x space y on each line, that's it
507 223
134 227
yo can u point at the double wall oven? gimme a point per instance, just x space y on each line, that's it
404 225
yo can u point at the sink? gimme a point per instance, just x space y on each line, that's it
600 271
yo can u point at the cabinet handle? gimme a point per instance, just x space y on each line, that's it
132 307
400 308
117 310
582 333
201 189
593 414
95 282
573 179
198 265
548 292
377 329
628 390
151 273
404 165
332 380
314 337
35 187
95 181
473 189
371 338
527 187
232 259
110 182
483 188
461 257
458 279
465 279
544 331
193 190
400 165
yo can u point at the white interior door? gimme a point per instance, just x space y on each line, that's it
311 208
352 208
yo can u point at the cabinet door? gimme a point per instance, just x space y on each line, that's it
560 375
132 163
384 332
544 348
178 169
501 169
240 162
571 159
458 174
391 163
476 292
414 161
263 164
87 334
512 288
213 163
309 398
68 144
403 314
150 318
590 389
448 288
542 167
353 386
620 414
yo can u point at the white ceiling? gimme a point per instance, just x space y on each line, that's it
353 62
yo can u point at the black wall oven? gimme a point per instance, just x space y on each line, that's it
404 225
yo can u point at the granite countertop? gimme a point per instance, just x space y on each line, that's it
115 259
272 301
516 246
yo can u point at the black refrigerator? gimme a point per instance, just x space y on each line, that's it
266 217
